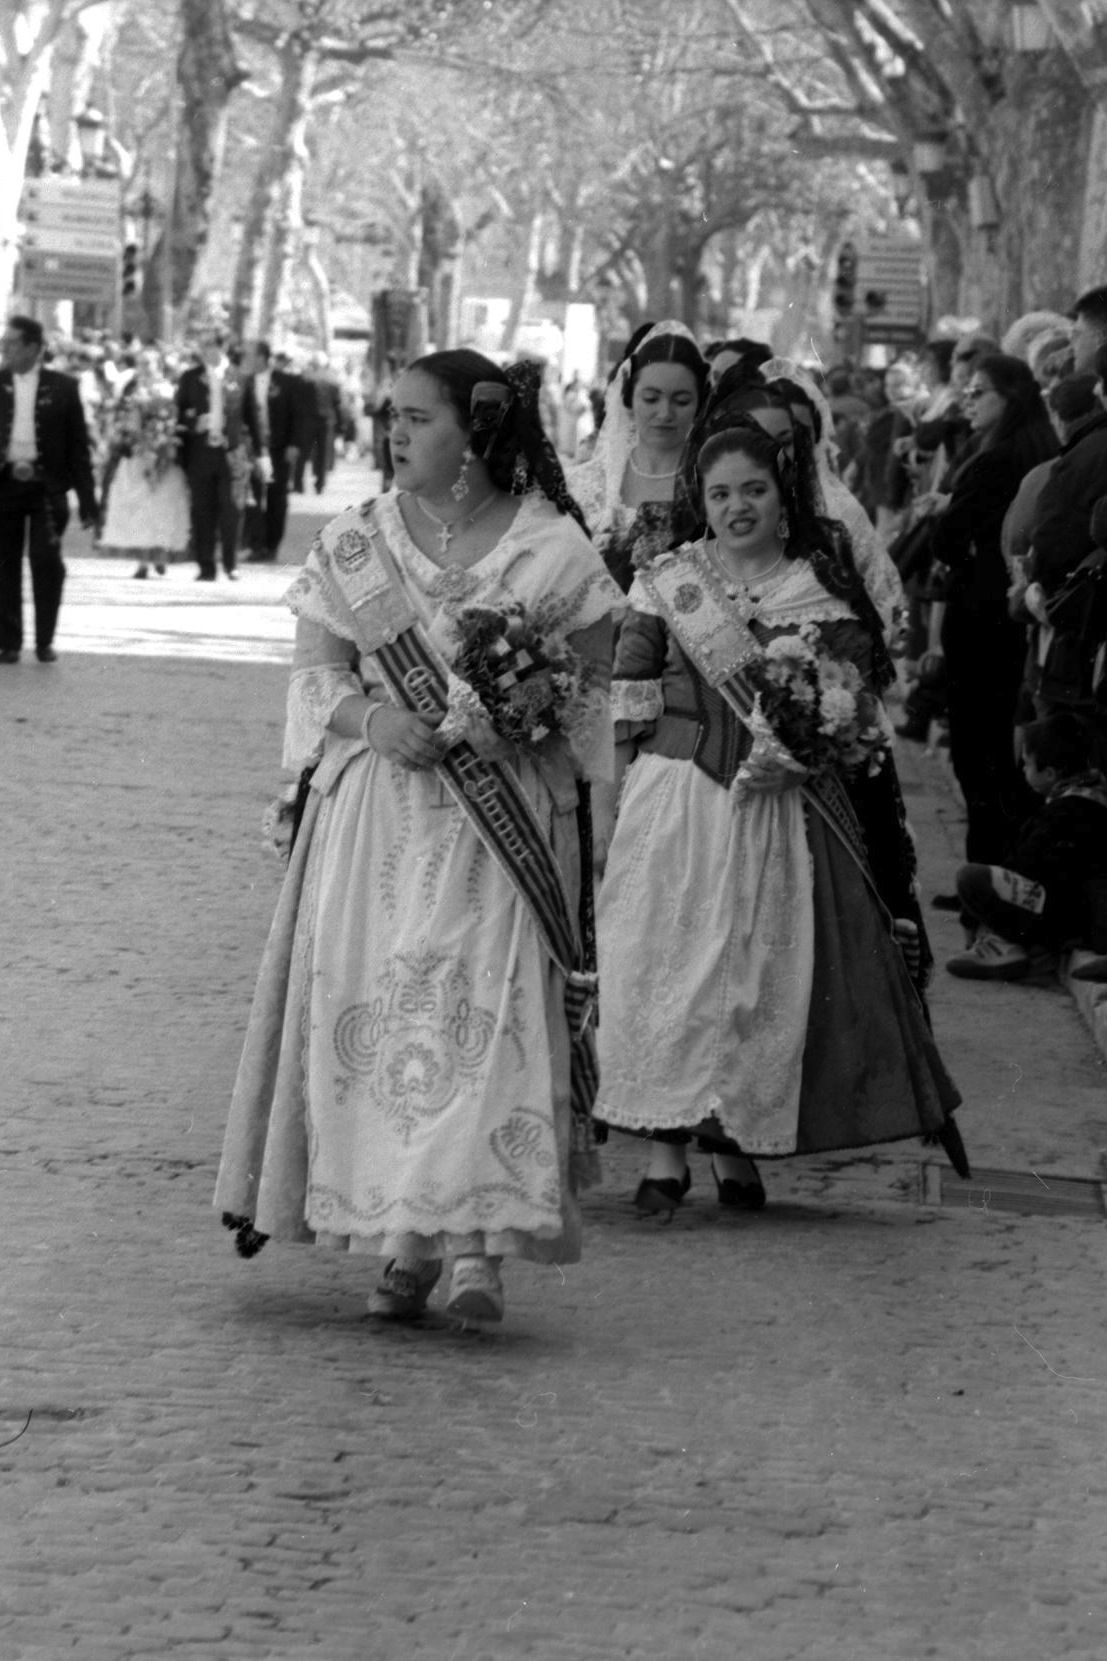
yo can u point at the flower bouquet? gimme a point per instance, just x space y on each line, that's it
812 712
158 438
146 428
512 680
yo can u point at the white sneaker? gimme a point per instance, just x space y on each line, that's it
991 958
476 1291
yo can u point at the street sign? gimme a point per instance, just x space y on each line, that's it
72 238
49 276
69 241
890 290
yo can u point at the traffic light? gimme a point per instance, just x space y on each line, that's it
845 280
130 268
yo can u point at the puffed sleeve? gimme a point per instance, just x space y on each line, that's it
637 695
324 673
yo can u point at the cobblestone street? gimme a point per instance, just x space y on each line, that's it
868 1424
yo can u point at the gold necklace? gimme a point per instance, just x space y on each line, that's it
448 528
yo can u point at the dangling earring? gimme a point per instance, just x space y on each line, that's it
783 529
460 487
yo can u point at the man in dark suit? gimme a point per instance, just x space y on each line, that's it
44 453
324 403
283 409
216 419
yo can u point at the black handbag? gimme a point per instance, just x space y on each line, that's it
1077 613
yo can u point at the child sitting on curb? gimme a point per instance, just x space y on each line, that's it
1053 893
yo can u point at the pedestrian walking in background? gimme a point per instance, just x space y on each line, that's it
218 423
146 506
761 949
283 409
414 1084
44 453
626 487
323 402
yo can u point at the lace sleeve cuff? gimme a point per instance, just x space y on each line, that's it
314 693
636 700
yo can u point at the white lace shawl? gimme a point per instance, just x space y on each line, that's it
797 599
543 560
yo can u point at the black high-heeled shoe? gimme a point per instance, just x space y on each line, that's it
740 1196
660 1196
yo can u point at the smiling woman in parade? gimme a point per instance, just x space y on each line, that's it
626 489
417 1076
761 947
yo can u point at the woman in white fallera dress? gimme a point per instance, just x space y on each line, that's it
405 1085
147 495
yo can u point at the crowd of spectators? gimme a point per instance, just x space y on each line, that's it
985 465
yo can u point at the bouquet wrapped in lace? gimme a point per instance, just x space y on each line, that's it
516 679
812 711
146 427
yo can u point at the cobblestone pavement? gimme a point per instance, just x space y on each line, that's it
855 1428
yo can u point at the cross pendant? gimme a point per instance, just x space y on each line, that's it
444 536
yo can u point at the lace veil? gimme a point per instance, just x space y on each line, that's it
617 436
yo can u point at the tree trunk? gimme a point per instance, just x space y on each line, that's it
286 166
23 87
208 74
1038 150
656 255
1093 242
526 289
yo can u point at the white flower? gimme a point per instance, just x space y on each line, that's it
463 708
836 708
789 646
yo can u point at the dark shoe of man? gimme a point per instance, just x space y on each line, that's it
1094 969
917 731
205 576
46 654
260 559
9 656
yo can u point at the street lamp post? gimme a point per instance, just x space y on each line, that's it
92 134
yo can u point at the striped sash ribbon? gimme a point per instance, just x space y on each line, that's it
494 802
689 594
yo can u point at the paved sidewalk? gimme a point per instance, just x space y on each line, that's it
858 1427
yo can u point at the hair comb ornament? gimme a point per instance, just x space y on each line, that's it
489 403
